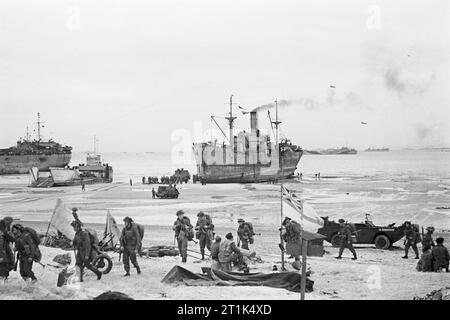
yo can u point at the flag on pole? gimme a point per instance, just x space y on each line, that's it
112 229
61 219
301 212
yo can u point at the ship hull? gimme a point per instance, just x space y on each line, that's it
251 173
20 164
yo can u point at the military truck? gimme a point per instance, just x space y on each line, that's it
167 192
364 233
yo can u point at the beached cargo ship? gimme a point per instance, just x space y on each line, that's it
37 153
377 149
248 157
332 151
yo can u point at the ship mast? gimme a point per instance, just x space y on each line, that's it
39 125
230 121
276 122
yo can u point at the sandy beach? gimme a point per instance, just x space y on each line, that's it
377 274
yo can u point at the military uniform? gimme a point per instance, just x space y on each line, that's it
6 254
427 242
204 229
228 253
412 238
425 263
441 257
131 241
215 247
245 235
345 236
181 228
27 251
82 245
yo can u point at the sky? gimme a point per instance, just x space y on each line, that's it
147 75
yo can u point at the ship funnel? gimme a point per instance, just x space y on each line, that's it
253 121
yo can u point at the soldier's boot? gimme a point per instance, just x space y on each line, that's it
203 254
138 270
99 274
184 259
354 257
127 271
338 257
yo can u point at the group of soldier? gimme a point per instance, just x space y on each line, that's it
435 256
25 246
224 253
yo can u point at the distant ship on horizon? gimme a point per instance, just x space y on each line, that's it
332 151
37 153
249 156
384 149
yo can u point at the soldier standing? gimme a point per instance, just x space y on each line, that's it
130 241
345 236
204 229
427 241
412 237
183 228
27 252
83 246
245 233
291 234
153 193
6 254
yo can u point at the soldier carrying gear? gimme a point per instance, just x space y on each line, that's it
204 232
130 240
183 233
412 238
83 248
427 241
245 233
6 254
440 256
27 252
228 253
345 236
292 234
215 247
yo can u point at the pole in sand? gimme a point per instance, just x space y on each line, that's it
303 278
281 226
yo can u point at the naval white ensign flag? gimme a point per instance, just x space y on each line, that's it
298 210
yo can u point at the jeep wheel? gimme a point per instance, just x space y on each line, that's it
335 241
382 242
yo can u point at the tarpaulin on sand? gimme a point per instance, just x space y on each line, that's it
284 280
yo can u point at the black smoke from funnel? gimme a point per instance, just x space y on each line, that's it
305 102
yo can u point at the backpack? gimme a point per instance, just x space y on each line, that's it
140 229
92 236
34 235
250 227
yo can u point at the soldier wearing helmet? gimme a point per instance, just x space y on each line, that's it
204 232
83 248
131 243
27 251
345 236
183 233
427 241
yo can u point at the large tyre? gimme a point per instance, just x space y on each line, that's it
103 263
335 240
382 242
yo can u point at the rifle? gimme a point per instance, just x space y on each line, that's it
239 240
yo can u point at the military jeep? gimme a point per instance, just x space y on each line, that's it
167 192
364 233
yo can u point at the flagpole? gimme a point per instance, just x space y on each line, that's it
281 227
